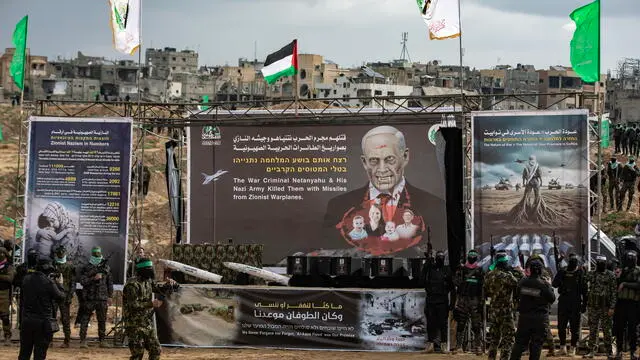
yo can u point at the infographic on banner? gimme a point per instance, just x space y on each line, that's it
381 320
531 182
332 189
77 192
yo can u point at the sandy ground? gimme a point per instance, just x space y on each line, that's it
205 354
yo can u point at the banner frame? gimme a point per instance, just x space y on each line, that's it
37 118
498 113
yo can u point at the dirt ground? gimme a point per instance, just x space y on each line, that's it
262 354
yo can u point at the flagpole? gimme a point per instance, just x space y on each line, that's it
461 69
296 95
24 65
599 165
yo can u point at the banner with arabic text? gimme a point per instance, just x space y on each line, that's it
531 183
330 189
381 320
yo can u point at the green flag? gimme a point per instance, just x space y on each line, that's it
604 133
585 45
1 136
16 69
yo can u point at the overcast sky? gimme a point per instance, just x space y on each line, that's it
347 32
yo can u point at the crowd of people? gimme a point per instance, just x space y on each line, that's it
608 294
46 288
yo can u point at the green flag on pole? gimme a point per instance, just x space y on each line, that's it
1 135
16 69
585 44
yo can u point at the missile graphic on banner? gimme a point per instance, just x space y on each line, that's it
193 271
209 178
257 272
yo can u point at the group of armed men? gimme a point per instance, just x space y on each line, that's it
609 295
619 180
47 287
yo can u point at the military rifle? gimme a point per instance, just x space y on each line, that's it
429 252
555 251
101 268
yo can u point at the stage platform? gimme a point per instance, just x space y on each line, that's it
293 317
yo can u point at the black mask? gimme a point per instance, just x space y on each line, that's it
32 258
630 260
472 258
601 266
535 268
439 260
572 263
146 273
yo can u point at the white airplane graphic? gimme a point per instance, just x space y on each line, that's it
209 178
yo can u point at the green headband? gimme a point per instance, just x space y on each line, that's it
502 259
144 264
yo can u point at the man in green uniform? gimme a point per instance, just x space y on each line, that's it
601 301
6 278
68 272
138 305
500 285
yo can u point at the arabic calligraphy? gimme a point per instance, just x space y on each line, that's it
281 143
278 149
308 305
304 316
288 138
81 133
527 132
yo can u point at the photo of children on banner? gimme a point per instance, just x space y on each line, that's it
55 228
379 228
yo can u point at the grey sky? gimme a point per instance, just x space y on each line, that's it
345 31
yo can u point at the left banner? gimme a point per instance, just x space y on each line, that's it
77 191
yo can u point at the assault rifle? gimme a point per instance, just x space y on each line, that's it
429 252
555 251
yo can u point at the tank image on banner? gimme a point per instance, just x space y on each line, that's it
77 192
335 190
531 181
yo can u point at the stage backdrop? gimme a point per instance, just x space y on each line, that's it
77 191
307 188
531 178
380 320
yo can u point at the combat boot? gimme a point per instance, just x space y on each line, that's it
492 355
104 344
7 341
590 355
429 348
572 351
457 350
563 350
83 344
65 344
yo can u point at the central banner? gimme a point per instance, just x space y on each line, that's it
210 316
338 190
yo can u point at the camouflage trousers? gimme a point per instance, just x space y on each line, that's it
65 318
502 332
141 338
5 312
599 319
468 310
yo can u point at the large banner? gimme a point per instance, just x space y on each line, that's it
77 192
531 181
381 320
333 189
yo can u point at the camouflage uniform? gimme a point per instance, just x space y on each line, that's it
468 307
6 278
138 311
68 272
96 294
600 299
500 285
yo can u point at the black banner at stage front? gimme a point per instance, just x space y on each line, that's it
381 320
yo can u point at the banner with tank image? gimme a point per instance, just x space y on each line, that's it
530 182
322 189
77 191
297 318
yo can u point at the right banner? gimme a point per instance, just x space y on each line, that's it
530 182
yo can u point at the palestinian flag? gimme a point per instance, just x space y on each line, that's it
283 62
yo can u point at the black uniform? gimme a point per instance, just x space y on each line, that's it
438 284
573 300
617 137
535 298
468 308
39 294
613 174
626 311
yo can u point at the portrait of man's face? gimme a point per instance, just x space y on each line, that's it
383 161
